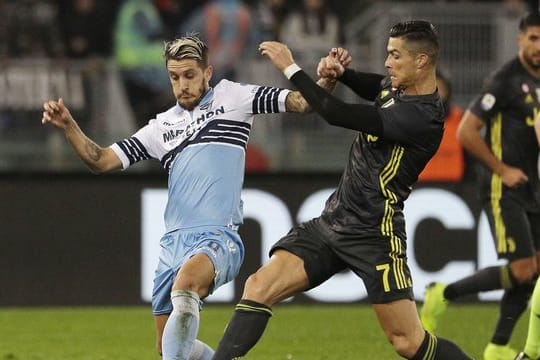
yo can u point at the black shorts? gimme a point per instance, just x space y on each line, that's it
516 232
381 262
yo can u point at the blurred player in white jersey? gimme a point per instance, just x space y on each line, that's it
201 143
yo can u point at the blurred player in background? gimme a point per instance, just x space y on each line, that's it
362 227
506 109
532 344
201 143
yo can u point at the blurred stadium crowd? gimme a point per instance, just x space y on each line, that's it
104 57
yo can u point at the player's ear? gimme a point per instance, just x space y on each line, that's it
208 73
421 60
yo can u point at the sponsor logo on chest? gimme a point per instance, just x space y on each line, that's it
184 129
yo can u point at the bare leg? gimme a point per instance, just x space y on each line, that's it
400 322
159 322
281 277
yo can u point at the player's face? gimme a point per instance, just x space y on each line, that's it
529 47
189 81
400 64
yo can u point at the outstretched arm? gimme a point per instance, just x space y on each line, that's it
98 159
296 103
360 117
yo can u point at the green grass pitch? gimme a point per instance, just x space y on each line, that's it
309 332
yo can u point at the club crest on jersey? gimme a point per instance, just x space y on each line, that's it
487 102
206 106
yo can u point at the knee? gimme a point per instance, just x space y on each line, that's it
405 346
185 283
188 283
255 289
525 273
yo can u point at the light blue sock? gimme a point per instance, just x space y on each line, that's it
182 326
201 351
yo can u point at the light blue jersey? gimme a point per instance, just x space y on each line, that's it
204 152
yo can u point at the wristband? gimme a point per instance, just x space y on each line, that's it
291 70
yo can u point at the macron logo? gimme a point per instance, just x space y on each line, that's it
193 127
171 135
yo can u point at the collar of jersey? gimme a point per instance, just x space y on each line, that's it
205 100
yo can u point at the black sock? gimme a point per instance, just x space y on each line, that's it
436 348
491 278
244 330
513 304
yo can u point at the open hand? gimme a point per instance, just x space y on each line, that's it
278 53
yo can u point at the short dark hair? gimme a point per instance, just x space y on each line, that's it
418 32
531 19
187 47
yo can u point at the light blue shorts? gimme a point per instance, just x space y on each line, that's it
221 244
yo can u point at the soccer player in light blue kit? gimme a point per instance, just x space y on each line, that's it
201 142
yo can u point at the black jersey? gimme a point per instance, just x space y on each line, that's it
509 103
382 169
384 162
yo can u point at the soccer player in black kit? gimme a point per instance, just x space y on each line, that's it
362 227
510 191
531 350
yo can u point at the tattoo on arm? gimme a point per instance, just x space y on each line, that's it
296 103
93 151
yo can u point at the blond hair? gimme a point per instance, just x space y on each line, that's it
187 47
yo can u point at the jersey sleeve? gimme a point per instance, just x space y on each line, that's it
135 148
256 99
365 85
491 99
361 117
